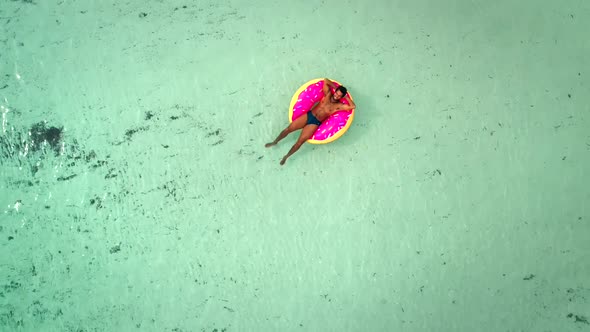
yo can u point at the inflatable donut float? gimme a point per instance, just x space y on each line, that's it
330 129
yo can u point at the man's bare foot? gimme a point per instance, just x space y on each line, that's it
283 161
268 145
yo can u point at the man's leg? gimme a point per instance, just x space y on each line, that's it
306 134
295 125
282 135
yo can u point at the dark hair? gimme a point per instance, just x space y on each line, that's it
342 89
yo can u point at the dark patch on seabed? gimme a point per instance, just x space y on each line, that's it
29 147
155 121
578 318
115 249
41 133
36 147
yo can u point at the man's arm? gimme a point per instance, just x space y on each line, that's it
351 105
344 107
328 84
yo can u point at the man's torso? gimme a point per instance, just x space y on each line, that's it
324 108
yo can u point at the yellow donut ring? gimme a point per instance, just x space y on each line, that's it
338 133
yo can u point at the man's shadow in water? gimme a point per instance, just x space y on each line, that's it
362 122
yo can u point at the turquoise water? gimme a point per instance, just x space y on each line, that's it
137 194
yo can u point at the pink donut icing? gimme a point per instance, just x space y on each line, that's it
305 101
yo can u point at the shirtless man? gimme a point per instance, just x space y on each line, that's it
310 121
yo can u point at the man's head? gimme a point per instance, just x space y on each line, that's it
339 93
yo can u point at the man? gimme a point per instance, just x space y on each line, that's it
310 121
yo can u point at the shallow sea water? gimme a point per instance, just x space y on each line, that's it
136 192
